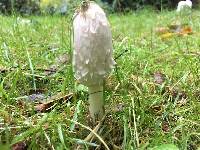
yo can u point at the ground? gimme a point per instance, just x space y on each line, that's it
152 97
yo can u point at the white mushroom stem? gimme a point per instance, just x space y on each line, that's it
96 102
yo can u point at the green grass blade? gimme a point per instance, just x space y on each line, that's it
75 117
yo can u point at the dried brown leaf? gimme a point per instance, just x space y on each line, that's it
119 107
167 35
185 31
157 109
159 77
165 126
59 98
19 146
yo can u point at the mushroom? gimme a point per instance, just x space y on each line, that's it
184 4
92 56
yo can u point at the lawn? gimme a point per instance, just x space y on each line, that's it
152 97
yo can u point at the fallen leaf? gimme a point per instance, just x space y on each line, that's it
174 27
3 70
165 126
19 146
178 94
51 70
192 146
157 109
37 91
182 95
21 104
119 107
182 102
174 30
6 117
42 107
185 31
36 97
59 98
167 35
62 59
159 77
115 147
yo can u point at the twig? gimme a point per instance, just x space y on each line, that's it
121 54
15 127
38 69
35 75
4 70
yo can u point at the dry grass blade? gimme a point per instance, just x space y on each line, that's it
91 135
135 124
93 132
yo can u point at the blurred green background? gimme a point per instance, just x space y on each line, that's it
29 7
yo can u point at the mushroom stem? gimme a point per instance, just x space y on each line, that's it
96 102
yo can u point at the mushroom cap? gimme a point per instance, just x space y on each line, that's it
184 4
92 56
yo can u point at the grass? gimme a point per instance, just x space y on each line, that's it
142 113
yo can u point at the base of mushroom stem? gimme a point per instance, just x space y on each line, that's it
96 102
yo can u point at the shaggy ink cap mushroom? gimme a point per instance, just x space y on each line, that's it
93 53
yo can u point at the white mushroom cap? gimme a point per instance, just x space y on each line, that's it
184 4
92 57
